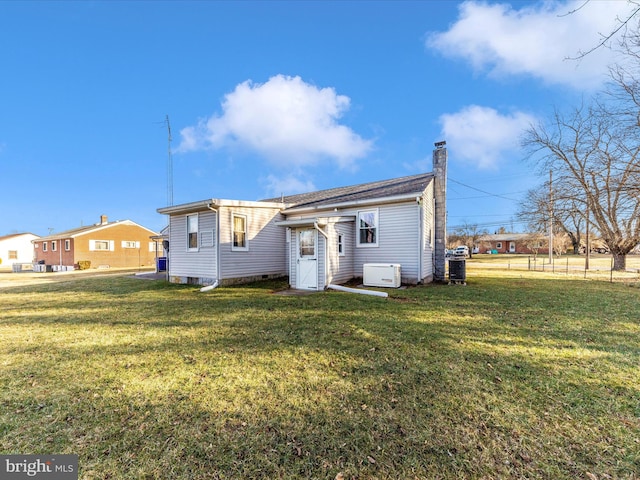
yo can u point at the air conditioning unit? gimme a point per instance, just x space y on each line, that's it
381 275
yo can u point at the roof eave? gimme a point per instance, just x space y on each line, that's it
357 203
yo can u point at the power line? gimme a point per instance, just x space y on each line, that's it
482 191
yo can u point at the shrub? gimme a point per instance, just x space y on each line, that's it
84 264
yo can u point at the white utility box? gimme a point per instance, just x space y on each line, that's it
381 275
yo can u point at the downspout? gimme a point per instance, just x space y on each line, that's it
217 240
326 251
420 243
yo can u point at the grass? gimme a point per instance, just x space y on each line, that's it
512 376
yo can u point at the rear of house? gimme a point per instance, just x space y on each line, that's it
315 238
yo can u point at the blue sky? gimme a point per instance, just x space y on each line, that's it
270 97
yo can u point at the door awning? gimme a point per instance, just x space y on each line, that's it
302 222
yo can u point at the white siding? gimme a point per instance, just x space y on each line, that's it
21 244
398 241
428 234
341 267
266 241
201 264
292 249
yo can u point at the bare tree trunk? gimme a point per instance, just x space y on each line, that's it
619 261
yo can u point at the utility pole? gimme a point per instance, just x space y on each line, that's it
169 166
586 259
550 216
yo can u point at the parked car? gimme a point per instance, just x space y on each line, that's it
448 253
461 251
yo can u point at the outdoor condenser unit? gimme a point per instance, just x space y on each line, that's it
381 275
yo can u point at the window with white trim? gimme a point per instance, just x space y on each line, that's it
130 244
153 247
13 254
54 245
100 245
192 233
368 228
239 232
498 245
44 246
340 245
67 245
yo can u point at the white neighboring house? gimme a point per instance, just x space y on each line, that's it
317 238
16 248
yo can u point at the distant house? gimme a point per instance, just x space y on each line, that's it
318 238
16 248
513 243
106 244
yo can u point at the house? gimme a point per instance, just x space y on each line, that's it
106 244
514 243
316 238
16 248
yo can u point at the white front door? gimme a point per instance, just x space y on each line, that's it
512 247
307 261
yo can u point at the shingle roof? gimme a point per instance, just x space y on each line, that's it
365 191
80 230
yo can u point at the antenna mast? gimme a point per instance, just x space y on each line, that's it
169 166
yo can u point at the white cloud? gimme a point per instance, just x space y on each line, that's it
289 185
535 40
289 122
482 135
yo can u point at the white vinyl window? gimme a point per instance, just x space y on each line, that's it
44 246
67 245
340 245
130 244
498 245
368 228
239 232
101 245
192 233
54 245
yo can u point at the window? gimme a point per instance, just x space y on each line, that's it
307 243
67 245
368 228
498 245
53 245
239 240
192 232
13 254
340 245
153 247
100 245
44 246
130 244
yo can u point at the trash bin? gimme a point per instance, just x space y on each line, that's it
162 264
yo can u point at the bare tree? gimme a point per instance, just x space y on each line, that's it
469 235
567 211
595 155
534 242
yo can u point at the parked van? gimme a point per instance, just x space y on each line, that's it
461 251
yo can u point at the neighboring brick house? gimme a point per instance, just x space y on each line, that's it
513 243
106 244
16 248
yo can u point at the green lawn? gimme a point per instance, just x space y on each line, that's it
511 376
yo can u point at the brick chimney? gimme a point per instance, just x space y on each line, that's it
103 220
440 209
